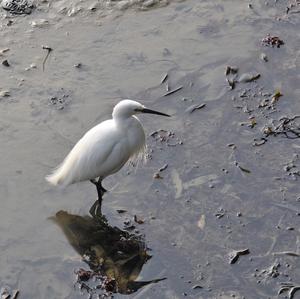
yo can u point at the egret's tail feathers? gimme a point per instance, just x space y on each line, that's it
53 179
58 177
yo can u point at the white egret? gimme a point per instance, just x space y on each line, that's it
105 148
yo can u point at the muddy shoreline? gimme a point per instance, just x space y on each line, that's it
217 203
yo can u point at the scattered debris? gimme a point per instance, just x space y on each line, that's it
6 293
197 286
2 51
32 66
167 86
93 6
235 254
231 70
231 82
288 126
58 102
84 275
220 213
194 107
244 94
292 7
252 122
173 91
15 294
264 57
231 145
162 135
60 99
248 77
291 288
138 220
163 168
259 142
276 97
292 168
47 55
107 285
243 169
40 23
5 63
166 136
157 176
273 41
271 271
201 222
165 77
264 103
18 7
236 163
4 93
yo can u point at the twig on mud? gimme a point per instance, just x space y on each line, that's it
46 57
173 91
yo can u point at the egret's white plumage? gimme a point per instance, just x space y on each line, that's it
105 148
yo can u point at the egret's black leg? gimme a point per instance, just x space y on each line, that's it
101 187
100 190
93 181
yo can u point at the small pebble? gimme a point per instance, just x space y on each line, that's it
40 23
290 228
5 63
2 51
197 287
248 77
264 57
157 176
4 93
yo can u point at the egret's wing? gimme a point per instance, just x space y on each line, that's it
118 156
82 163
92 151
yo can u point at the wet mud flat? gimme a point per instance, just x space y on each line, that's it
214 212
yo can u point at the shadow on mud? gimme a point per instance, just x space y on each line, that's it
115 257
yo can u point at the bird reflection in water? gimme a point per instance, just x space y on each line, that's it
115 256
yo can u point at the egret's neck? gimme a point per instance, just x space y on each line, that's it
121 114
125 121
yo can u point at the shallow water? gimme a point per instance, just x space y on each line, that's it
206 204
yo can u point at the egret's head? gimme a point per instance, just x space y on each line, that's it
127 108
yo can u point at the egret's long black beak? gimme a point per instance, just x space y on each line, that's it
146 110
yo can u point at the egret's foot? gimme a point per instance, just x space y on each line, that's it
95 209
96 213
